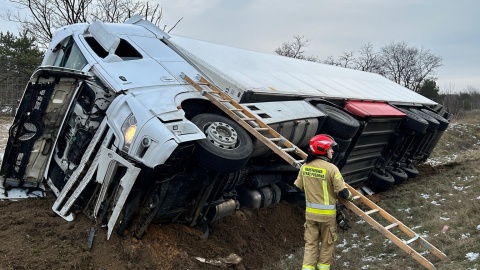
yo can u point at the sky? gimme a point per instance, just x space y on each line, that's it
449 29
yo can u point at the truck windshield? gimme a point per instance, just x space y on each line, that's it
70 56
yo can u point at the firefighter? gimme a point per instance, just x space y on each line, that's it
322 182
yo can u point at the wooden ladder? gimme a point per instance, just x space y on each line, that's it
394 223
282 147
276 142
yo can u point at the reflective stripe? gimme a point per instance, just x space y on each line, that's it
320 206
308 267
338 175
321 211
321 266
326 198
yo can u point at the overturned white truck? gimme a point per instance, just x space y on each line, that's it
110 125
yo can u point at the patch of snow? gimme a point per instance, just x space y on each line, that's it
435 203
424 234
416 227
425 196
346 264
458 188
361 221
465 236
471 256
369 259
478 227
444 218
366 267
343 244
425 252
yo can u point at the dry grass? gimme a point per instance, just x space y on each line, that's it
447 194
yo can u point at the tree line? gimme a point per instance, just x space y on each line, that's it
407 65
400 62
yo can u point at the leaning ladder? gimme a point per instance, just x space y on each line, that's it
282 147
271 138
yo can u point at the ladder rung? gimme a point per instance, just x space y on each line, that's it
291 149
371 211
356 197
412 240
391 226
236 110
224 100
248 119
261 129
275 139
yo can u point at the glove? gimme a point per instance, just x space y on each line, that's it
351 198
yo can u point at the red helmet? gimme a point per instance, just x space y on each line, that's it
319 144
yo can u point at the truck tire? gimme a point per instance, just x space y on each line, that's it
227 146
414 122
443 122
381 181
432 122
410 170
342 144
398 174
338 123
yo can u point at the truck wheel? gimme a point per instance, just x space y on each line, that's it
414 122
398 174
432 122
443 122
227 146
381 181
342 144
410 170
338 122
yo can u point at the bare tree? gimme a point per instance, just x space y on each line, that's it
296 49
344 60
367 60
451 101
407 65
48 15
331 61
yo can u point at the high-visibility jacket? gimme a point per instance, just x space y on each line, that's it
321 181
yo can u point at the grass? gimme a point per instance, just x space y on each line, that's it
445 194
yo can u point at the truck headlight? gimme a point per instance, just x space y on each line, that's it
129 128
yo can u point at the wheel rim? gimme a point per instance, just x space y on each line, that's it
222 135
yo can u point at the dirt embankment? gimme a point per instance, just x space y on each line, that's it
33 236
